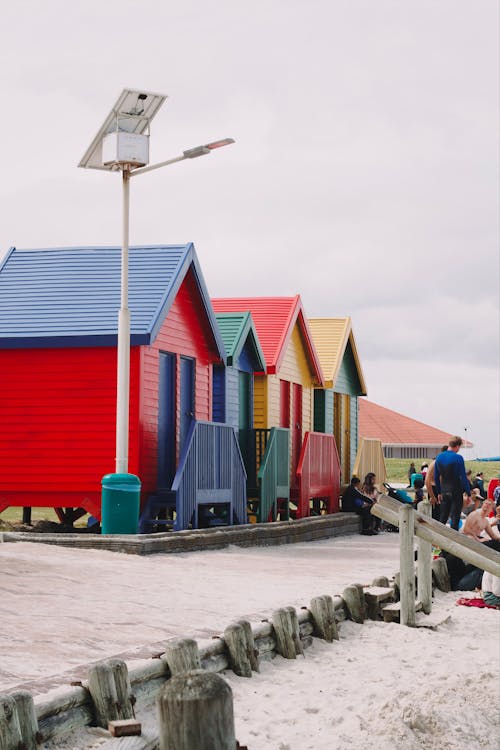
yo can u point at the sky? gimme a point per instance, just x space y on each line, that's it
364 174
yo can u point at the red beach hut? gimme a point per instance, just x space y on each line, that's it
58 336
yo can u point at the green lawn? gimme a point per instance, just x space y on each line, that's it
15 515
397 468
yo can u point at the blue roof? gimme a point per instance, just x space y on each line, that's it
71 296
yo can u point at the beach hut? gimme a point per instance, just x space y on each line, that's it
284 395
58 336
233 385
336 406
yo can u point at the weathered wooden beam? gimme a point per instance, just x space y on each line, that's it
424 564
253 654
323 617
441 574
27 719
352 599
442 536
181 655
109 687
286 628
407 565
10 731
236 641
195 712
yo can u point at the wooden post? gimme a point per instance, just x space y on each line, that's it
381 582
195 712
10 731
441 575
323 617
181 655
109 687
286 630
253 654
352 600
424 564
236 642
27 719
407 565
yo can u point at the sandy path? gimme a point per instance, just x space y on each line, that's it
61 608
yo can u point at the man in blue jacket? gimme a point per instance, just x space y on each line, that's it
451 482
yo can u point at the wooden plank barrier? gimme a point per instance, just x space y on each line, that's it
424 563
111 692
181 655
407 565
195 712
108 695
441 536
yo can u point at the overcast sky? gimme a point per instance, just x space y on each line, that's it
365 174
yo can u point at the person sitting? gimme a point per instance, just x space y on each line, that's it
477 522
353 501
472 503
478 483
490 586
370 489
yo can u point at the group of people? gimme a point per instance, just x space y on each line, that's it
453 493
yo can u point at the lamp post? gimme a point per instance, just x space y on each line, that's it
122 144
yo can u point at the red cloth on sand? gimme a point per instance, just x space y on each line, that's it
474 602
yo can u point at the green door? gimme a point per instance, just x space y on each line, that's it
244 395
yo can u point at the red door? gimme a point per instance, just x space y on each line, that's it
284 403
296 430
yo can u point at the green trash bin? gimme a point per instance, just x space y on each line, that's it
120 500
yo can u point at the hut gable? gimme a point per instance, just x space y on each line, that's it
336 347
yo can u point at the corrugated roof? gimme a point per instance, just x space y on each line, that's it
392 428
70 296
235 329
274 319
331 337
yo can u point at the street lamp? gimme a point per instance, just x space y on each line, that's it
122 144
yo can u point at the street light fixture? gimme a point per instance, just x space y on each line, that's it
122 144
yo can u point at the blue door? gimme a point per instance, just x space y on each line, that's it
187 399
166 421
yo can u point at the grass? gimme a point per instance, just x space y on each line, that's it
397 468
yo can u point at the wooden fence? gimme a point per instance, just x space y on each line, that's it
110 696
419 523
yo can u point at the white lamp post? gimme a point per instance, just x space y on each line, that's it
122 144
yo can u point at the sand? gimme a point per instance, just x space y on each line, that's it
381 686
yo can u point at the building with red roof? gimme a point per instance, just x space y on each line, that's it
401 436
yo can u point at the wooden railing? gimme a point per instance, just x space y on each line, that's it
274 477
211 473
318 474
429 532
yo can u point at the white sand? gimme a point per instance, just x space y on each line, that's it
381 686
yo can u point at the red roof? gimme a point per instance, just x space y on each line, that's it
392 428
274 319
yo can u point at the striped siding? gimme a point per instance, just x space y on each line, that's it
183 334
57 424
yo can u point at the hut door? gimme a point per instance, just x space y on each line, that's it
284 403
166 421
244 401
186 399
346 444
296 429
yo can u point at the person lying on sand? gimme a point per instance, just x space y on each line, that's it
478 522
